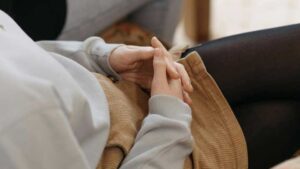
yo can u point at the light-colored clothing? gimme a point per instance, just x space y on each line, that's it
54 114
160 17
86 18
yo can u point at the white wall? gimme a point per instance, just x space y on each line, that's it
235 16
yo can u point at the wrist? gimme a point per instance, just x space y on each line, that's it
112 59
100 52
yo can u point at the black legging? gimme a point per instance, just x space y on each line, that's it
259 74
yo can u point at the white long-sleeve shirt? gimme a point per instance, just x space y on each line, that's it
54 114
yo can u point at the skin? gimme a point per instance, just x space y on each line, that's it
161 84
137 64
290 164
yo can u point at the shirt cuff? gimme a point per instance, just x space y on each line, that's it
170 107
100 51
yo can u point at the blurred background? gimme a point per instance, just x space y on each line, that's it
210 19
175 22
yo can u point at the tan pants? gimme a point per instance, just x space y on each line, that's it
219 141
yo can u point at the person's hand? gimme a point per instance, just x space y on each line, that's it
168 58
134 63
162 85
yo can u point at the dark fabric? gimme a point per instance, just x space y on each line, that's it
259 74
40 19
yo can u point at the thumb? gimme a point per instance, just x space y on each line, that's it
142 53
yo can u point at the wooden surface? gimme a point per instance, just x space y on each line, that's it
196 19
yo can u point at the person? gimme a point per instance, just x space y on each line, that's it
258 72
239 87
54 113
71 19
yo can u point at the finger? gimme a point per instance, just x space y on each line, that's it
157 44
159 67
138 53
186 81
159 82
175 84
170 67
144 81
176 88
187 99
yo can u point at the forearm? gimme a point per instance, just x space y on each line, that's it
92 53
165 138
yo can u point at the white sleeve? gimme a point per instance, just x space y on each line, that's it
93 53
165 139
41 140
35 132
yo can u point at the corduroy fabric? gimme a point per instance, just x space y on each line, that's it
219 141
128 106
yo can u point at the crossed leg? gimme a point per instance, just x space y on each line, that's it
259 74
